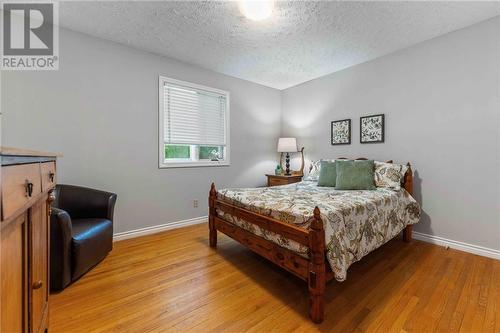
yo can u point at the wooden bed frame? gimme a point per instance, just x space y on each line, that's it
315 270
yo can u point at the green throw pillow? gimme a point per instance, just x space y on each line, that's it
355 175
327 174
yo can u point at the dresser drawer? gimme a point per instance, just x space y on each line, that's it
277 182
48 174
19 184
273 180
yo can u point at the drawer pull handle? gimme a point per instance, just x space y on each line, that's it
29 188
51 176
38 284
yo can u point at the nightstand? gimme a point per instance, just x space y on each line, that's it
273 180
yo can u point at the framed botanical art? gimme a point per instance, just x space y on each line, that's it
341 132
372 129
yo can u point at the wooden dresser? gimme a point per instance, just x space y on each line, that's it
27 182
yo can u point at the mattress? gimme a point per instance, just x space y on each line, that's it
355 222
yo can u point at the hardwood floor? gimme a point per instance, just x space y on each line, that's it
173 281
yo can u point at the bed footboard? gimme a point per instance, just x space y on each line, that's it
312 270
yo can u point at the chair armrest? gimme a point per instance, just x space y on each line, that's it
83 202
60 249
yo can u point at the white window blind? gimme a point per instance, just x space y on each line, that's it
193 116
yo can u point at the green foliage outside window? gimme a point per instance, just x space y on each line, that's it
210 152
174 151
184 152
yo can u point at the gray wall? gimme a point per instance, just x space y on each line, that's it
441 101
440 98
100 110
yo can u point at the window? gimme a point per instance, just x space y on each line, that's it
194 125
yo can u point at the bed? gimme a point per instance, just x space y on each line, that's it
314 232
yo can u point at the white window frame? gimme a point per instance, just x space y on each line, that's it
188 163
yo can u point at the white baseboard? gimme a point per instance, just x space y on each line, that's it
158 228
475 249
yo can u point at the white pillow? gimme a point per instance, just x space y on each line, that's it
389 174
314 171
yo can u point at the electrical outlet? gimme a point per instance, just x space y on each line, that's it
195 203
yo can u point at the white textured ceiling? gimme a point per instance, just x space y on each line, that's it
301 41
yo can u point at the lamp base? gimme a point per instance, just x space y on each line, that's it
292 172
287 164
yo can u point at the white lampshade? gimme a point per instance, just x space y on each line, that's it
287 145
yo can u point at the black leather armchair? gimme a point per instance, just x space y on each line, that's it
81 232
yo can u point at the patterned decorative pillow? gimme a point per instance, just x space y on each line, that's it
389 174
315 168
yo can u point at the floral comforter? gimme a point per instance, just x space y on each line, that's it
355 222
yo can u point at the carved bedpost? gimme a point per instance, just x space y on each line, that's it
317 272
212 197
408 185
408 179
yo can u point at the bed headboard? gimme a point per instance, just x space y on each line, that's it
407 181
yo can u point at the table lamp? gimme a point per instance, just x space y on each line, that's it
287 145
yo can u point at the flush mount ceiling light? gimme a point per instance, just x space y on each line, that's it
256 10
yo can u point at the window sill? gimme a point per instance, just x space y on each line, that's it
169 165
